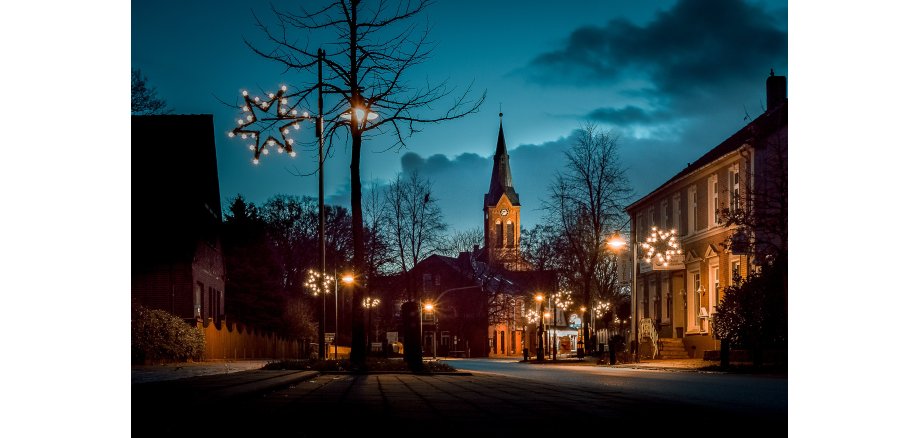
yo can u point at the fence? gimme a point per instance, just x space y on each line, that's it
238 342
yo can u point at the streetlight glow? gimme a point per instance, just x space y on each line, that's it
348 279
616 242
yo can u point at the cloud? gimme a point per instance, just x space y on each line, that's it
460 183
694 50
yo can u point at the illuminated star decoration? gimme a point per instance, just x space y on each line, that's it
562 299
317 284
661 245
601 308
287 117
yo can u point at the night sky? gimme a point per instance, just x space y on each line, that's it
671 78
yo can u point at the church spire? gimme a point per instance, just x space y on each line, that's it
501 172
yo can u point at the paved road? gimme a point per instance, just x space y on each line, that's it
717 390
498 399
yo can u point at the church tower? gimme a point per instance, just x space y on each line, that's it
502 210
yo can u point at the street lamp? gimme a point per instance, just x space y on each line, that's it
369 304
429 308
289 118
540 357
349 281
617 243
319 284
561 300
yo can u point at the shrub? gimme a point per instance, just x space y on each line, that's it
157 335
753 313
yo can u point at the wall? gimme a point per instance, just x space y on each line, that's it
237 342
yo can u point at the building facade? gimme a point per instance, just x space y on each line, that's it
176 258
679 299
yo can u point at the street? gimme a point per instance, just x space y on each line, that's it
498 398
728 391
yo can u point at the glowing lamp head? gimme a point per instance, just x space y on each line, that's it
348 279
583 308
546 314
429 307
539 298
616 242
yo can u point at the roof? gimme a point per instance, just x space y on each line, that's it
767 121
501 174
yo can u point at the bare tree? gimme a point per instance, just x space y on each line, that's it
414 224
761 210
586 207
379 251
144 100
370 54
461 241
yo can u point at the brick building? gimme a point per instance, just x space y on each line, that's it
678 301
176 260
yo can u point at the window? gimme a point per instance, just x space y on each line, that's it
694 211
736 271
734 178
502 341
510 233
426 282
437 280
198 299
694 305
714 288
445 339
664 215
675 207
499 236
640 225
656 308
714 201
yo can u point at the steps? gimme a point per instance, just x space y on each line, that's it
672 348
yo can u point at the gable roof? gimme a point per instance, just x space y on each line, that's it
767 123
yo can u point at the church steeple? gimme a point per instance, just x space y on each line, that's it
501 173
502 210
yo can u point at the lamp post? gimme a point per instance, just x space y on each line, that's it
540 356
289 118
349 281
617 243
369 304
319 284
561 300
429 308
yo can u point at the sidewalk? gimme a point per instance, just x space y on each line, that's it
669 364
182 370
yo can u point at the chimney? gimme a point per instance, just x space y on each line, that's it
776 90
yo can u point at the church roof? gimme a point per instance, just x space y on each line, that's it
501 173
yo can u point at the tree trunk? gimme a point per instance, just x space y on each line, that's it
358 355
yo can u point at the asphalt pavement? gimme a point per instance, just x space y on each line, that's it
484 403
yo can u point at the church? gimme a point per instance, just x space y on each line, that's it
476 304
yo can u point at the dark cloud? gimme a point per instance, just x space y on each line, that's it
695 49
628 116
460 183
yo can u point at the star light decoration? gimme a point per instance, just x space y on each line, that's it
532 316
317 284
286 116
601 308
661 245
562 299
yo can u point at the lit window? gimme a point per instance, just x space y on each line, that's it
694 211
735 181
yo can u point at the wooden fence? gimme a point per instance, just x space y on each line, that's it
238 342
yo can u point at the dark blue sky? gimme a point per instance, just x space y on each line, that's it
672 78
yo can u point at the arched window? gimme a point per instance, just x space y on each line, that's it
499 236
510 233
